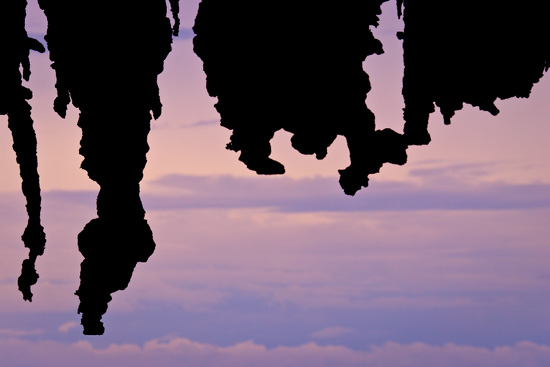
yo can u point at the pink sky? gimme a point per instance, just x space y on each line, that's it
443 262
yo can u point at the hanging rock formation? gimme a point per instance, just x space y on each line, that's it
14 49
469 51
295 66
110 74
298 67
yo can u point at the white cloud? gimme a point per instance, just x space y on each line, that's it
181 351
65 327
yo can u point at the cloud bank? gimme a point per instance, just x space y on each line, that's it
321 194
180 351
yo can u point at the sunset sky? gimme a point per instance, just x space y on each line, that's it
442 262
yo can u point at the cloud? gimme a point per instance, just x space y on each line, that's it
324 194
471 265
17 333
328 259
39 37
164 124
185 34
457 172
331 332
201 124
181 351
65 327
36 20
72 198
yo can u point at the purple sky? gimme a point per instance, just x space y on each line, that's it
443 262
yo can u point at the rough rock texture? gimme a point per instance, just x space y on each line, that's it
14 49
469 51
295 66
109 72
292 65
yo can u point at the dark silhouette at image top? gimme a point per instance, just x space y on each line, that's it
296 66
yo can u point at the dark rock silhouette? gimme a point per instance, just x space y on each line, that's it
15 46
296 67
272 65
469 52
110 74
299 69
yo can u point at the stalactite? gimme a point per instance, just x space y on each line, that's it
110 74
14 47
295 66
471 52
298 67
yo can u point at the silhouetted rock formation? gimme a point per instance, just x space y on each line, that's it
295 66
110 74
14 49
298 67
472 52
